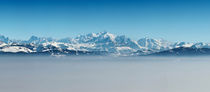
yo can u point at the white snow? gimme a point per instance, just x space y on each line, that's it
15 49
123 48
112 37
103 41
3 44
187 45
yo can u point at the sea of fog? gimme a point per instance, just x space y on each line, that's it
105 74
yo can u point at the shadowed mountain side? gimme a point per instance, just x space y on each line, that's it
183 51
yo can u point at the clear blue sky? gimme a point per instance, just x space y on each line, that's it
173 20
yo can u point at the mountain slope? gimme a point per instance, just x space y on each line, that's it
118 45
184 51
155 44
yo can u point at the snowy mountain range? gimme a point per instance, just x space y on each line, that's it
103 43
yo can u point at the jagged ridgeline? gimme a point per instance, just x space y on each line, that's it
103 43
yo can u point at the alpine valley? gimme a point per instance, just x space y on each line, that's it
103 43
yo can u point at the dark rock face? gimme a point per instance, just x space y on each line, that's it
183 51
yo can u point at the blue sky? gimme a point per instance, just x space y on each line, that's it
173 20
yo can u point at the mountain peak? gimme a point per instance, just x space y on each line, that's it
102 41
104 32
4 39
95 37
33 38
107 34
38 40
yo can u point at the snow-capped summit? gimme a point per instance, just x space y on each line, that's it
4 39
39 40
182 44
96 38
154 44
122 41
201 45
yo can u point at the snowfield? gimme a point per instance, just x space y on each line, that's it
15 49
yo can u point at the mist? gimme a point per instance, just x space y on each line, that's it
104 74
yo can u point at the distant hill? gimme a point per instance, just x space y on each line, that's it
184 51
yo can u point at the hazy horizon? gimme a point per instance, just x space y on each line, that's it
104 74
